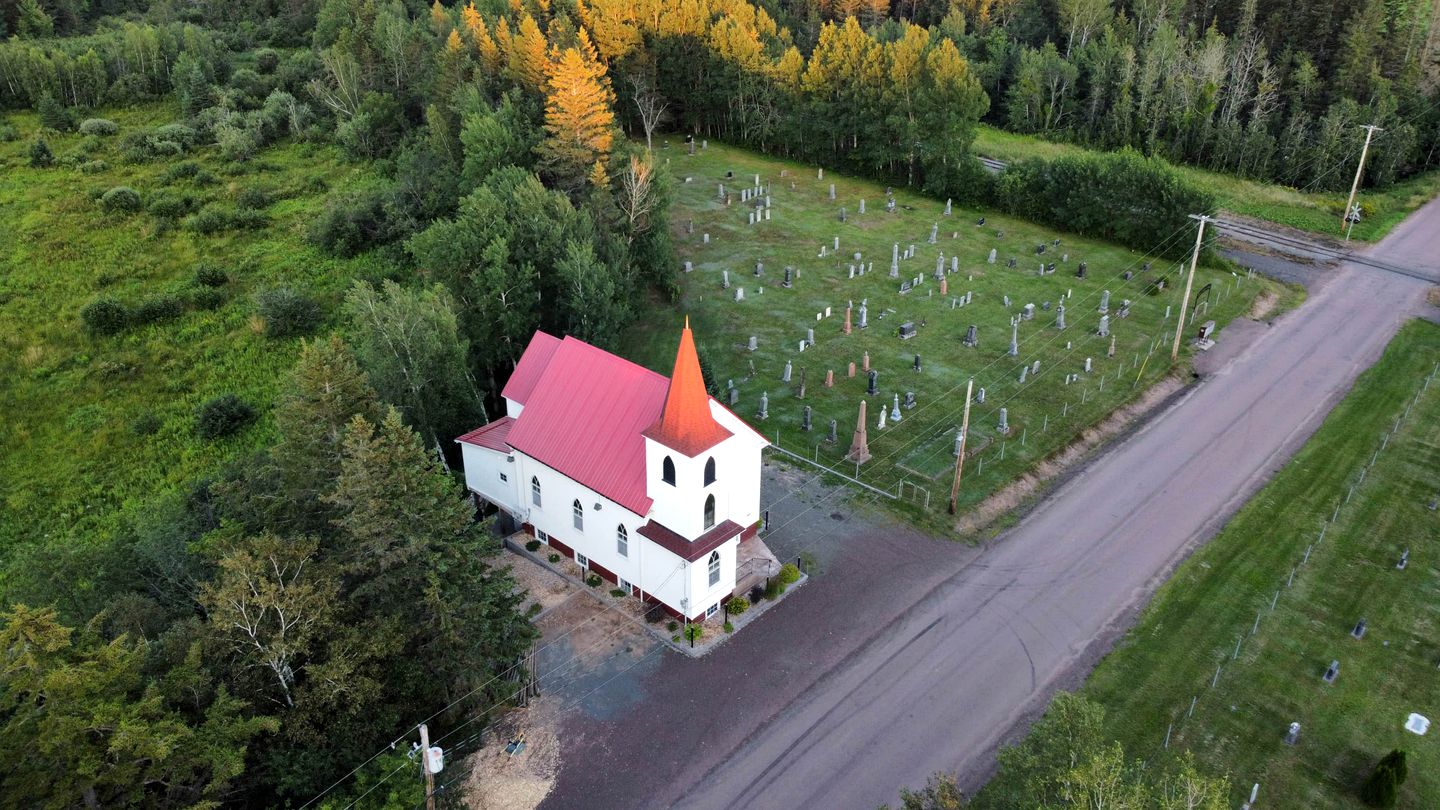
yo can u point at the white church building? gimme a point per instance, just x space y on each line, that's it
646 481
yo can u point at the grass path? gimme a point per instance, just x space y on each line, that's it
1195 620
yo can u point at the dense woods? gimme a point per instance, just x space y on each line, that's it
252 637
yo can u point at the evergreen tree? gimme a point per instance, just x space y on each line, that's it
579 119
193 89
1382 787
53 115
40 155
31 21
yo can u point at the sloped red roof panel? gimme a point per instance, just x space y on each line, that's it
584 418
493 436
680 547
531 368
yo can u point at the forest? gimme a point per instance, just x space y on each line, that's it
252 634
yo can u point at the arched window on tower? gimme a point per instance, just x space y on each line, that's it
667 471
579 512
714 568
709 471
709 511
535 490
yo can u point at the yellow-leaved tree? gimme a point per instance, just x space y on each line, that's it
579 118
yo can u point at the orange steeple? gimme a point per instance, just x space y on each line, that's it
686 424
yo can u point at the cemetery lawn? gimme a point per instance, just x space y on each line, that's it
1195 619
1044 414
1316 212
76 456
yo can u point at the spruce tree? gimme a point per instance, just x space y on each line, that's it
1382 787
40 155
53 114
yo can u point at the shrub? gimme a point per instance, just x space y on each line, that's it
205 178
207 298
252 198
102 127
169 205
145 424
222 416
94 166
8 132
532 546
120 198
774 588
105 316
40 155
534 610
209 275
54 115
757 593
554 558
693 632
1382 787
593 580
156 310
789 574
729 627
213 220
617 592
672 626
737 605
181 170
182 134
351 224
266 60
286 312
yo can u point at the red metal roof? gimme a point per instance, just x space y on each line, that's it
686 423
493 436
584 417
679 546
531 367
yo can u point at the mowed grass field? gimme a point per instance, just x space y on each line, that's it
71 459
1317 212
1195 620
1044 413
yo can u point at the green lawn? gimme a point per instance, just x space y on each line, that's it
1192 625
1317 212
1044 414
70 462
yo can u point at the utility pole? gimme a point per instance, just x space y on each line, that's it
1370 130
960 457
425 767
1189 280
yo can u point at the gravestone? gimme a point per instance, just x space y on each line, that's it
832 191
1126 276
1035 367
722 191
767 214
972 336
1014 339
764 405
862 205
1331 672
1080 272
689 227
689 267
954 264
940 266
788 274
830 378
1010 262
810 336
753 344
870 388
1087 365
706 238
1004 426
1040 249
980 396
842 213
917 366
947 206
895 410
890 205
882 416
907 330
1005 300
944 286
1359 631
1124 311
991 258
904 286
846 328
1028 313
850 370
724 279
1050 268
934 232
909 400
1024 372
864 316
785 377
837 243
1403 561
980 222
740 296
1104 302
1104 328
805 419
864 358
1292 734
820 174
1060 316
734 397
1044 306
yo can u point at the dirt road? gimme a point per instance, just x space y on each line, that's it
941 685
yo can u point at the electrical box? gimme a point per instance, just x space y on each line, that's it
434 759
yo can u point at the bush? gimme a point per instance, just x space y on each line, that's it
737 605
534 610
207 298
156 310
729 627
214 220
672 626
350 225
693 632
617 592
145 424
266 60
102 127
105 316
1382 787
789 574
554 558
252 198
8 132
532 546
121 199
169 205
94 166
209 275
222 416
774 588
181 170
40 155
54 115
757 593
286 312
593 580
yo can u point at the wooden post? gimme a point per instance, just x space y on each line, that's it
1189 279
1370 130
964 433
425 767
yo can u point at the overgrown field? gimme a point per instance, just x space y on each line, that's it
1317 212
92 425
1044 412
1193 624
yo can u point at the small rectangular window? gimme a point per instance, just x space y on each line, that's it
543 537
623 585
504 477
582 560
712 610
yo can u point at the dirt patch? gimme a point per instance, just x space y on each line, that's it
544 587
1432 296
1262 305
501 781
1025 487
